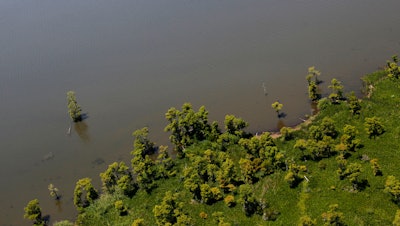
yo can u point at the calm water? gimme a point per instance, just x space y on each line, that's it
129 61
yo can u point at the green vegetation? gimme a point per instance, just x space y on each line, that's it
337 91
74 110
54 192
277 106
33 212
323 172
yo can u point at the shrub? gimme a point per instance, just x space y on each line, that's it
376 167
307 221
121 208
396 221
373 127
230 200
203 215
332 216
138 222
286 133
392 186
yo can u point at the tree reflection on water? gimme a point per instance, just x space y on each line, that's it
81 128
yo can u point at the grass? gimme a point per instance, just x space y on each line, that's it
370 206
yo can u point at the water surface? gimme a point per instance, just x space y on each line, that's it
129 61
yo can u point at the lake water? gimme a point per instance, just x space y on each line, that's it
129 61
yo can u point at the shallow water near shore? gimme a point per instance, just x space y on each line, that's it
129 61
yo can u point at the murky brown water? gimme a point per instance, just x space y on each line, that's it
129 61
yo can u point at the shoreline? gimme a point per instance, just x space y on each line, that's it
296 127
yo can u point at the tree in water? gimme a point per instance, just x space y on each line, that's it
84 193
313 73
277 106
54 192
392 69
74 110
337 90
34 212
313 93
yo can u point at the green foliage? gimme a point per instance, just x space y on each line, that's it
187 126
220 219
74 110
307 221
326 128
323 104
203 215
294 176
170 211
332 216
234 126
63 223
374 127
396 221
210 194
145 168
138 222
392 69
286 133
146 173
84 193
301 144
263 157
354 104
348 141
142 144
209 162
376 168
226 175
313 92
337 90
54 191
392 186
353 172
121 207
118 176
164 163
230 200
277 107
33 212
313 73
247 199
209 167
